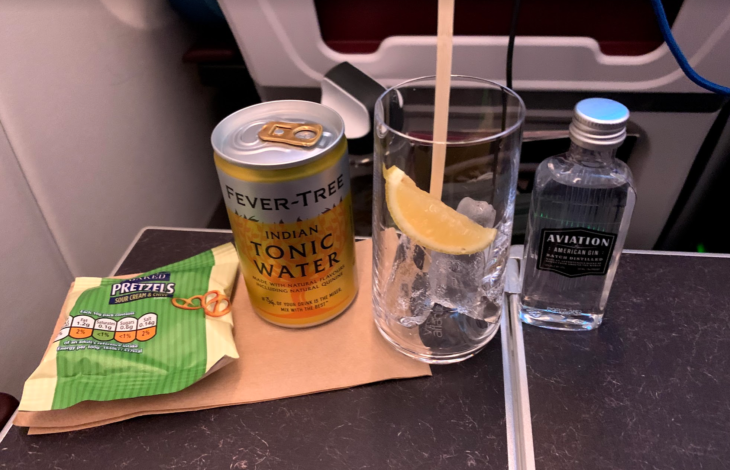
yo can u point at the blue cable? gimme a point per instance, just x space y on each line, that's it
679 56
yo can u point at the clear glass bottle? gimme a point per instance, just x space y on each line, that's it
582 203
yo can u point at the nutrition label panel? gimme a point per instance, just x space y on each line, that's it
103 329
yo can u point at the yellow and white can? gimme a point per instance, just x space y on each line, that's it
284 173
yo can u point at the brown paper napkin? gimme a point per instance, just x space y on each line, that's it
275 363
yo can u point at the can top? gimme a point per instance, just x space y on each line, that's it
599 124
266 135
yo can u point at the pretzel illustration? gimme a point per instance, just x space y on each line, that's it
215 303
188 304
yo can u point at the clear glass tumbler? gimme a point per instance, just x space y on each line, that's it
432 306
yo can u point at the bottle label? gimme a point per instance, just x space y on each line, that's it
575 252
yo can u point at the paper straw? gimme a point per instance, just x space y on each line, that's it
443 86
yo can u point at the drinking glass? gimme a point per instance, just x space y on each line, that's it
432 306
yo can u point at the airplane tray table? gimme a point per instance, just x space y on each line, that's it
454 419
650 388
647 390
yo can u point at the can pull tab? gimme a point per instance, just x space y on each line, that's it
291 133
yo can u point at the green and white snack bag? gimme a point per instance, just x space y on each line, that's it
155 333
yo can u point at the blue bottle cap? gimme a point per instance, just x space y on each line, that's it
599 124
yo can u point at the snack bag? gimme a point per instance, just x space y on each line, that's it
155 333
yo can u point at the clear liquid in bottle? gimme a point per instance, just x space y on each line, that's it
581 215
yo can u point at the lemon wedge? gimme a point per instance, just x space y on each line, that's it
428 221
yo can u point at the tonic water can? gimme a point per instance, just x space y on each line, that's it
284 172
